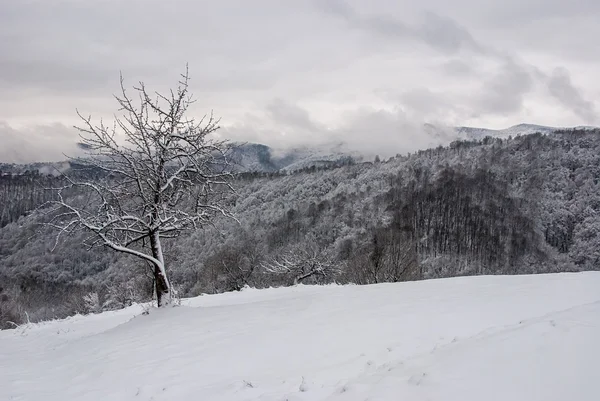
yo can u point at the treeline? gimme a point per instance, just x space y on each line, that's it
472 219
22 193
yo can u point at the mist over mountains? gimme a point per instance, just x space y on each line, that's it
264 158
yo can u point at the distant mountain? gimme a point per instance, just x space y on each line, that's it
515 130
44 168
251 157
254 157
257 157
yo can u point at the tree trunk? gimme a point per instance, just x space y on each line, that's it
298 279
162 286
163 294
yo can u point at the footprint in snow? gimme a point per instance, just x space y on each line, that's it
343 389
303 386
417 379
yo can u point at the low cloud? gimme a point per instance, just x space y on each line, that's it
40 143
457 68
423 103
291 115
562 89
386 133
368 131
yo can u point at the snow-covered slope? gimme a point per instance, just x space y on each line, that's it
305 157
477 338
257 157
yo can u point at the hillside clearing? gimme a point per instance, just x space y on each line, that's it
473 338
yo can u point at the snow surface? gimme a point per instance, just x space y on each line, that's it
476 338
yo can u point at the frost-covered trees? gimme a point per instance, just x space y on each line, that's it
161 173
304 263
21 193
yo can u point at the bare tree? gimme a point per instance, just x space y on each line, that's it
162 173
302 264
393 257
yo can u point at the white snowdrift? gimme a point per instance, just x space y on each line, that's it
477 338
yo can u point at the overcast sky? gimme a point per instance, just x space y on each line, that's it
289 72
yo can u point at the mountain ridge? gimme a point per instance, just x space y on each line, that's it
257 157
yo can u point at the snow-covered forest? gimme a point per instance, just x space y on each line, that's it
528 204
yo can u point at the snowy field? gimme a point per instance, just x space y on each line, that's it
477 338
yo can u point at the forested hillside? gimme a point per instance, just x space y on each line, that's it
528 204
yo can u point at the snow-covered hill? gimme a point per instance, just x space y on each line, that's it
519 129
257 157
476 338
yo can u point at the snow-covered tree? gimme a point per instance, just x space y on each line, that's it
303 263
161 173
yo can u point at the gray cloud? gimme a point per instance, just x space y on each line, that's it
296 71
562 88
446 35
457 68
440 33
83 45
427 105
47 76
505 91
516 12
291 115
